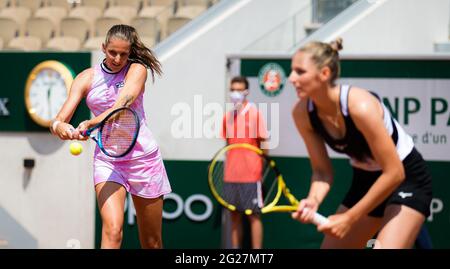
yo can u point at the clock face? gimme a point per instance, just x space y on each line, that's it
47 90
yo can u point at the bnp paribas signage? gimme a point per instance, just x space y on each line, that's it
271 78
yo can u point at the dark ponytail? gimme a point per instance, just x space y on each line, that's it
138 51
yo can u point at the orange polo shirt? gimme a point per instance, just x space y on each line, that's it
244 126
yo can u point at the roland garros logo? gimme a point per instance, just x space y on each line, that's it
271 79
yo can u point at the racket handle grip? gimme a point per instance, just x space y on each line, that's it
318 219
84 133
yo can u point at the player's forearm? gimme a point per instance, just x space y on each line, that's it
64 116
135 84
379 191
124 100
96 120
320 186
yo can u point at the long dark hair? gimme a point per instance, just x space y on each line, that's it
138 52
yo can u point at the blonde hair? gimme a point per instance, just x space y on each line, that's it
139 52
325 54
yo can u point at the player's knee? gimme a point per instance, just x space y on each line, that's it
113 233
153 242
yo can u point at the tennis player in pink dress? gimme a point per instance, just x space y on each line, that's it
116 82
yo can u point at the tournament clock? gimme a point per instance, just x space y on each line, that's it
46 90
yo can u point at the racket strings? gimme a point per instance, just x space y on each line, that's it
119 131
217 177
238 179
270 185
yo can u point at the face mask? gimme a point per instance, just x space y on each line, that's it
237 97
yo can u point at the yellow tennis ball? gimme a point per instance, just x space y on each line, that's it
75 148
248 211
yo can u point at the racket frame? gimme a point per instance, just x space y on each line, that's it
282 189
98 137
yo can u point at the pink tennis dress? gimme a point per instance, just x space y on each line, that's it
142 170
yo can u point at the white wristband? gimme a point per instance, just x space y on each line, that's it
55 124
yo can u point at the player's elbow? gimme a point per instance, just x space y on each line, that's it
398 174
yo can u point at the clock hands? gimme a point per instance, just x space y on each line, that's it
49 102
46 91
49 98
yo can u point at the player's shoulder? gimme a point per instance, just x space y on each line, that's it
137 66
86 75
300 108
82 81
361 102
300 115
359 92
137 70
87 72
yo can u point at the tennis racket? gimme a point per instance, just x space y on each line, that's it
238 163
117 133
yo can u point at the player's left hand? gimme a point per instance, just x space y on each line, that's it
338 226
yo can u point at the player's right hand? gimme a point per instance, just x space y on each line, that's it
83 126
305 211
